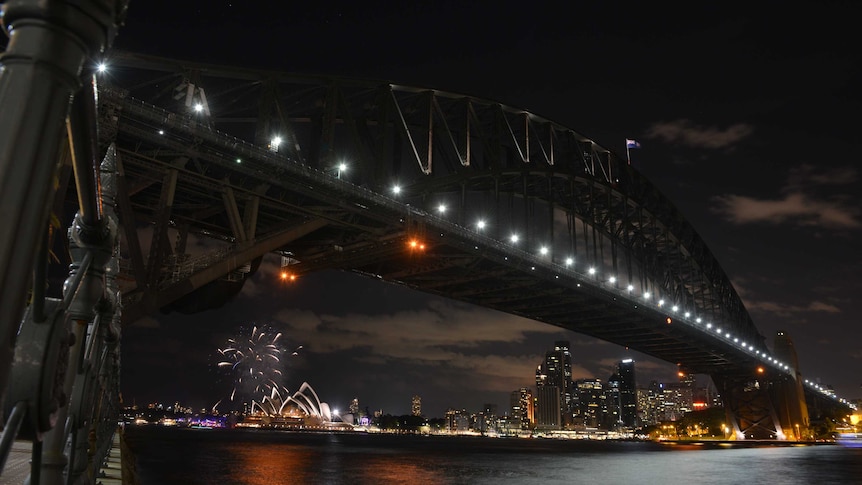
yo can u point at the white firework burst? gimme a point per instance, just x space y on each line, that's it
254 360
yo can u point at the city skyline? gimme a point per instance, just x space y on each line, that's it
740 122
623 378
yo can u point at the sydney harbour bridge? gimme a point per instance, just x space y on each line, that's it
160 184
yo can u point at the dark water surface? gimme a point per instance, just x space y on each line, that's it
255 457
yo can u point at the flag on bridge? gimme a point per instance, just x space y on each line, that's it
629 145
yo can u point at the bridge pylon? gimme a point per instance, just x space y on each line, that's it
766 405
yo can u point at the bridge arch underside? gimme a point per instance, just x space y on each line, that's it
221 179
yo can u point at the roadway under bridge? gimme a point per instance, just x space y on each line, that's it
444 193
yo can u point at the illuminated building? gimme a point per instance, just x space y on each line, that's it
627 393
591 407
556 371
677 400
523 408
614 415
457 420
416 406
548 416
650 404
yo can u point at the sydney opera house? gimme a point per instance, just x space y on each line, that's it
302 410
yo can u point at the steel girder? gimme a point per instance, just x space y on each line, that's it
437 142
516 165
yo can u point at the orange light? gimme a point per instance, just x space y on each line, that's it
681 374
413 243
760 370
284 275
293 277
669 321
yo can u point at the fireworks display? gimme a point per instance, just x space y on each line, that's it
254 361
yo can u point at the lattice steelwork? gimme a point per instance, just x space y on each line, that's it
523 173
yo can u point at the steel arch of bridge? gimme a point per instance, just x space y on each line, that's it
431 143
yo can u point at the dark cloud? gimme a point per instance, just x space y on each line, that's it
787 310
801 202
687 133
797 209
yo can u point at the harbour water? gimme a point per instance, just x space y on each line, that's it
166 456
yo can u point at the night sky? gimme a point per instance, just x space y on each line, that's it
748 122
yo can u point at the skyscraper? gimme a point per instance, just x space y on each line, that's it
556 371
627 393
591 403
523 408
416 406
548 406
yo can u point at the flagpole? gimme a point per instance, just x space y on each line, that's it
628 157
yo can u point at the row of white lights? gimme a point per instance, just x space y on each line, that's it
569 261
481 224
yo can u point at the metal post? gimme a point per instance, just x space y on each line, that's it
49 43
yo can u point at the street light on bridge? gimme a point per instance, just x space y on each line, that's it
274 143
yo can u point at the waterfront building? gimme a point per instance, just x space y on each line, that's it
457 420
548 416
416 406
627 393
650 404
591 401
613 418
677 400
556 371
523 408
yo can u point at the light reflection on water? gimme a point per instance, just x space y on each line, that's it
177 456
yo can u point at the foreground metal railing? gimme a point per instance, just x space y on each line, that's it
59 365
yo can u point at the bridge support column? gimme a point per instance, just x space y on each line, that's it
766 406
